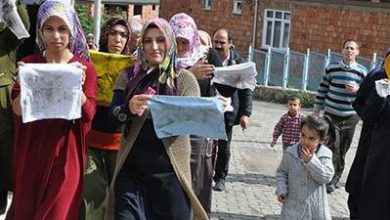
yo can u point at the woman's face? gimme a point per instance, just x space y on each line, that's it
154 46
183 47
117 38
56 34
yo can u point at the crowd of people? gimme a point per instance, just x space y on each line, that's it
110 163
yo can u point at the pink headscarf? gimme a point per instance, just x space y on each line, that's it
184 26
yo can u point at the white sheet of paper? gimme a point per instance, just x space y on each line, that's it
241 76
50 91
9 15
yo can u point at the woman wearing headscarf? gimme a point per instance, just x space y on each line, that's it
200 60
152 178
50 154
103 139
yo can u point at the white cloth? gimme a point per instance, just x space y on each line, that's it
382 87
9 15
50 91
192 60
241 76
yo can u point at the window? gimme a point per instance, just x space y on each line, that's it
207 4
137 10
237 6
276 28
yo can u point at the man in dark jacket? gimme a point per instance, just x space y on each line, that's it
241 102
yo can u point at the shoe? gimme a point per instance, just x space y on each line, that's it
219 186
330 189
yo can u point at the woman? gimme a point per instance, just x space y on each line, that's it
188 47
152 177
104 138
50 154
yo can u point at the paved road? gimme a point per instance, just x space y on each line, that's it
249 193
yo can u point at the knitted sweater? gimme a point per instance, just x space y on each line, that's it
178 149
332 96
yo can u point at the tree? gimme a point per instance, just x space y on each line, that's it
84 13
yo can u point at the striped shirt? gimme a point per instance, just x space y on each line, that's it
332 95
289 127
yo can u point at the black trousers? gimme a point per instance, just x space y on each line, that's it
151 197
344 129
223 156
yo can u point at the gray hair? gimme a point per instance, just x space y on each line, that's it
135 25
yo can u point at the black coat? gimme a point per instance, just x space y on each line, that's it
375 189
355 175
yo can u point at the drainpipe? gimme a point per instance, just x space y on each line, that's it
254 25
97 7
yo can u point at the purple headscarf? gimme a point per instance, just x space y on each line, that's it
78 43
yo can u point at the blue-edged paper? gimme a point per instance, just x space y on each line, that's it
181 115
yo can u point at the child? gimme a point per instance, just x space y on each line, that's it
305 169
289 124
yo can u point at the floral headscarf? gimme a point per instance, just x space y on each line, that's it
167 67
106 31
78 43
184 26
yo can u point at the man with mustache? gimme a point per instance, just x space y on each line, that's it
335 95
242 107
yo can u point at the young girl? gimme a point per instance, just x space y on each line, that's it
305 169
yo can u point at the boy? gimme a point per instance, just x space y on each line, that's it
289 124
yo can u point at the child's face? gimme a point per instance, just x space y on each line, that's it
309 138
294 106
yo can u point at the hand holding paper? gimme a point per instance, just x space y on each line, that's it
241 76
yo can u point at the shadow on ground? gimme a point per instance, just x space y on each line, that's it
252 178
233 216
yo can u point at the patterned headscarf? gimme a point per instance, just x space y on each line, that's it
106 32
78 43
166 67
184 26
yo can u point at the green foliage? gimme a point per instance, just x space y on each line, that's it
86 19
84 13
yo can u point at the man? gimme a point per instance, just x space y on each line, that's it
9 45
241 102
335 96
